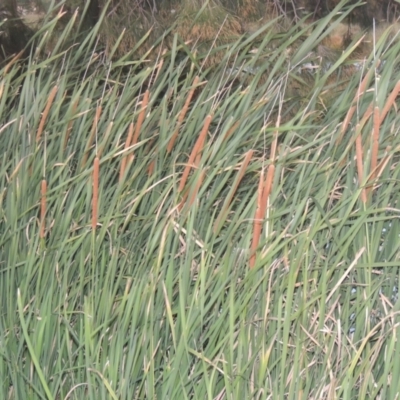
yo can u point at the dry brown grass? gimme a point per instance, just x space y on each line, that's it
212 28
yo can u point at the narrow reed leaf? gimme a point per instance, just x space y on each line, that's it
360 167
110 390
43 192
35 358
375 144
275 141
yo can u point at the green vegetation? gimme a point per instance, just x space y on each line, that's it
145 291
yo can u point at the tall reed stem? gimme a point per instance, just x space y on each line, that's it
360 168
375 143
95 198
257 221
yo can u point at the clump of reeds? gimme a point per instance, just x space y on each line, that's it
178 283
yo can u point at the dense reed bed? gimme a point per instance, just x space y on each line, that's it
135 195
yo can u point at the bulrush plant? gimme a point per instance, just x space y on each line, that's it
143 287
264 191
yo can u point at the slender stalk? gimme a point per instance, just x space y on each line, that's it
43 208
194 156
46 112
257 221
95 198
182 114
375 144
